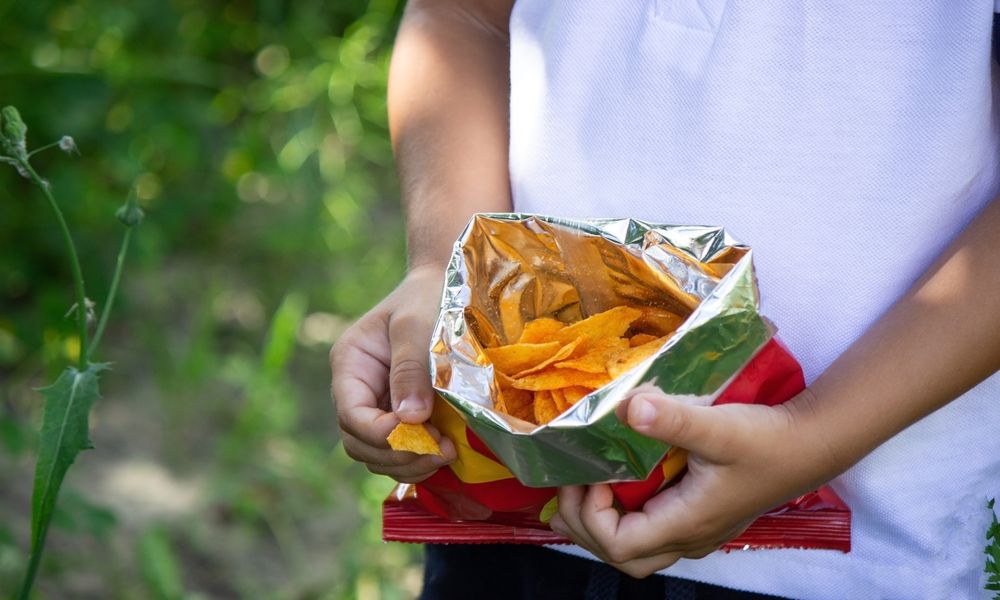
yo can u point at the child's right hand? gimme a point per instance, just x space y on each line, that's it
381 377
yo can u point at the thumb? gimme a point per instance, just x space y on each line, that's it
409 372
702 430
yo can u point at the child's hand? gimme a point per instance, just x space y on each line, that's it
381 377
744 459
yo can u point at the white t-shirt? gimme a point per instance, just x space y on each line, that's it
847 142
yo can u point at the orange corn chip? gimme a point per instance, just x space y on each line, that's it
565 352
413 438
545 407
559 378
559 398
596 359
509 305
610 323
500 404
633 356
553 365
525 412
504 381
540 330
518 357
481 328
518 403
640 339
574 393
657 321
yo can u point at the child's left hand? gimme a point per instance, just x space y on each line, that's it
743 460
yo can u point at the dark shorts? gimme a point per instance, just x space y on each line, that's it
514 572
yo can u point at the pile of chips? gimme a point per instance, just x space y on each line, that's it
554 364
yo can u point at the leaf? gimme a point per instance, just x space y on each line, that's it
65 433
159 566
281 337
993 553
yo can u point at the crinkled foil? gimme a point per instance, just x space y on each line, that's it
509 268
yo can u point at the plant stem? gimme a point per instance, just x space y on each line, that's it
112 292
29 575
81 296
43 148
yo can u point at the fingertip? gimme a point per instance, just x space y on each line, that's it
622 411
382 426
600 496
641 412
448 451
413 409
570 493
557 524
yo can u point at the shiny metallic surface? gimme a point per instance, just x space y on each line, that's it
509 268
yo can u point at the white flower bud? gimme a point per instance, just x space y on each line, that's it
68 145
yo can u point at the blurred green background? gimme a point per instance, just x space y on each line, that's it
254 135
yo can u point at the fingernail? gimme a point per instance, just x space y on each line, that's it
411 404
641 413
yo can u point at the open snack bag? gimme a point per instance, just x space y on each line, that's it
545 325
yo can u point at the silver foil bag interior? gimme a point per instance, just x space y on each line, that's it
510 268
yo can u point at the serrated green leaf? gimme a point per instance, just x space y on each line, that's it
65 433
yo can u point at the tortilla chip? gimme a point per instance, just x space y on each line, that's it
633 356
611 323
509 305
553 365
413 438
559 398
540 330
518 357
596 359
553 378
545 407
565 352
518 403
573 394
657 321
481 328
640 339
500 404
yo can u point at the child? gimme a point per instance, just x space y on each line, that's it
853 146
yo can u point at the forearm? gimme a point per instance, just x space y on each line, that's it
938 341
448 115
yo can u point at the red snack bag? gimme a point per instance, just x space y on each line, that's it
674 307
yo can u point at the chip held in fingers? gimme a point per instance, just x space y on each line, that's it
413 438
554 364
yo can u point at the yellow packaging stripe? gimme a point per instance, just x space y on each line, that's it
471 466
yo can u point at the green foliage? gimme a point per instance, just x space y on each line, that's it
68 401
254 136
65 433
159 566
993 553
13 132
